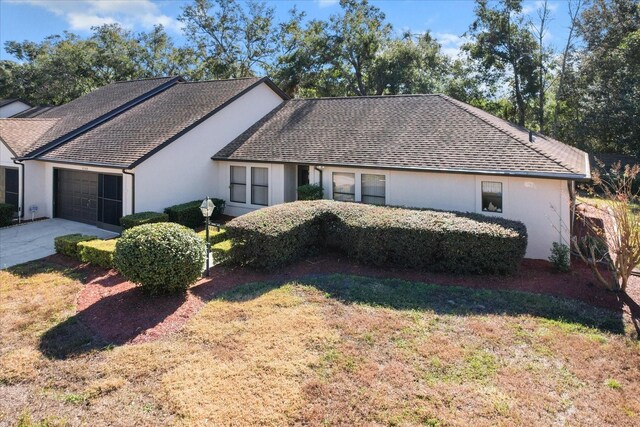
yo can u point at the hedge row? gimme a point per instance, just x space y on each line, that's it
215 235
68 244
424 239
133 220
189 214
98 252
6 214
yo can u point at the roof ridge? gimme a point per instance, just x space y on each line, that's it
221 80
144 79
401 95
463 106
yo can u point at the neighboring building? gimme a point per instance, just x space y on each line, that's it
11 107
147 144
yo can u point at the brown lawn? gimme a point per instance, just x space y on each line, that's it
331 350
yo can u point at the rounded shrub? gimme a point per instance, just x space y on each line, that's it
161 258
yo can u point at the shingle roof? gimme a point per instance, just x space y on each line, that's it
21 134
32 112
139 131
94 107
427 132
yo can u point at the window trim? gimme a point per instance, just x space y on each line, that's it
363 195
482 195
232 184
333 186
260 186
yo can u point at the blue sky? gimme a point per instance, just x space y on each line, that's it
446 19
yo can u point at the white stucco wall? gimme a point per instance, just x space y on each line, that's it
183 170
13 108
541 204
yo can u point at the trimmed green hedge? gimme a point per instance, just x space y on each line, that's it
310 192
189 214
133 220
68 244
424 239
6 214
161 258
215 236
221 251
98 252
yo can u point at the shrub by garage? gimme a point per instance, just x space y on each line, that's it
6 214
189 214
161 258
140 218
423 239
97 252
68 244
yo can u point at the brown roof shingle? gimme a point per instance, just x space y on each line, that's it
426 132
21 134
135 133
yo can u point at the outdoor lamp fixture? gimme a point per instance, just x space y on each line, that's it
206 208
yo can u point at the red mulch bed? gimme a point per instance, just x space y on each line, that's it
118 312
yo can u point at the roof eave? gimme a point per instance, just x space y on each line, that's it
522 174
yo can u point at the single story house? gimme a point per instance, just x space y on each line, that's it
147 144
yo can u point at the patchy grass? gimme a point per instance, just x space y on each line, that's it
332 350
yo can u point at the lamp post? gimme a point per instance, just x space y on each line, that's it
206 208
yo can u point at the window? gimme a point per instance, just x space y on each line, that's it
491 196
260 186
344 187
373 189
238 185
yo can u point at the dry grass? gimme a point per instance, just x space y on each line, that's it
330 351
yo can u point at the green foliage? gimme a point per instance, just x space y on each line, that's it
133 220
424 239
215 235
190 215
560 257
221 251
6 214
98 252
68 244
310 192
161 258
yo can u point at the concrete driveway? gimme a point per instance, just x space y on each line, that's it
26 242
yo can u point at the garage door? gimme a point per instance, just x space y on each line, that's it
76 195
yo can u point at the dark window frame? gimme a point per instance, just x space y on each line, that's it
487 197
259 186
333 186
363 195
232 184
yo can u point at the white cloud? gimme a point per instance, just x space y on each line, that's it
451 43
326 3
84 14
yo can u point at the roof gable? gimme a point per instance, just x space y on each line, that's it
423 132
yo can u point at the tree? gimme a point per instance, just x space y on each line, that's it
613 228
609 72
540 30
230 40
505 50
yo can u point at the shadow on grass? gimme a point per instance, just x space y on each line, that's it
453 300
69 338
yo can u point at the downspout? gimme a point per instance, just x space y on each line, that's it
133 189
21 208
572 196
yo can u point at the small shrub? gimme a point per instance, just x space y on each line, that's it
6 214
560 257
68 244
189 214
215 235
98 252
161 258
424 239
310 192
133 220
